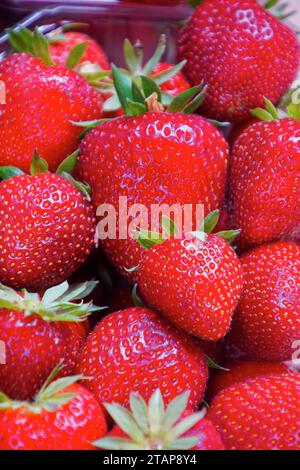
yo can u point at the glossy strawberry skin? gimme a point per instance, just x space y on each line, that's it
176 85
135 350
134 157
264 182
267 320
242 53
33 348
259 414
74 426
196 285
94 53
47 230
241 371
40 103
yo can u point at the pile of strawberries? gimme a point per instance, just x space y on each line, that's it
186 342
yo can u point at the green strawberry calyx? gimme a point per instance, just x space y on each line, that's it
39 165
135 69
152 426
289 108
51 397
63 303
137 99
148 239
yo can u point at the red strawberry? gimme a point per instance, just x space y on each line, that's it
242 53
176 84
63 416
267 320
62 43
135 156
136 350
38 332
240 371
41 101
195 282
47 227
264 180
259 414
195 433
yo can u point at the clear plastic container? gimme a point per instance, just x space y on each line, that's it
111 22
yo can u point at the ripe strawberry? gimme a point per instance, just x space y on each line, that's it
47 226
195 282
156 427
259 414
41 101
264 179
267 320
242 52
136 350
151 147
62 43
63 416
38 332
240 371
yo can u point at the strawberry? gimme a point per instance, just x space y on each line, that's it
240 371
38 332
167 143
62 43
264 180
267 320
242 52
47 225
156 427
62 416
194 281
168 77
259 414
41 101
136 350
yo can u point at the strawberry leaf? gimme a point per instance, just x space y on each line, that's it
213 365
82 187
7 172
38 164
136 299
181 101
210 222
41 47
149 87
135 108
122 84
162 77
133 56
155 59
76 55
68 164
